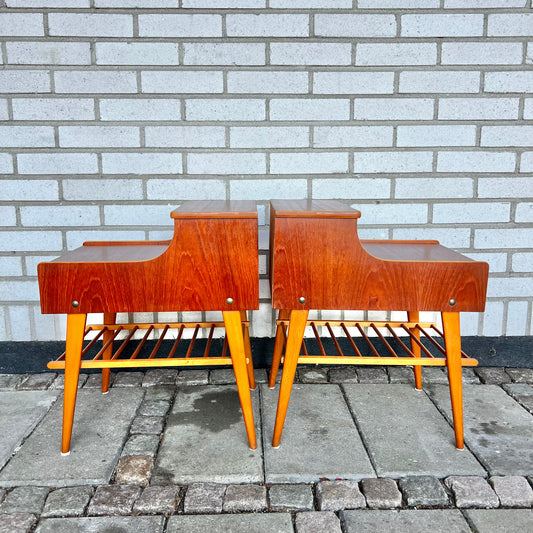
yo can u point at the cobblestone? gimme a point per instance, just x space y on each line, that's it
134 470
513 491
193 377
17 523
154 408
160 393
317 522
401 374
246 497
521 375
381 493
204 498
336 495
160 376
291 498
472 491
345 374
434 375
424 491
24 500
128 379
372 375
113 500
147 425
37 381
9 381
158 500
222 376
312 375
470 377
493 376
94 381
67 501
522 393
141 445
59 382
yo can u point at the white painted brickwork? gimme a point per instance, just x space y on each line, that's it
417 112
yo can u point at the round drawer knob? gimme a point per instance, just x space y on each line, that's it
75 303
452 302
229 301
301 300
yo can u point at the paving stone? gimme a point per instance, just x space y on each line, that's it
434 375
160 376
25 500
336 495
193 377
141 445
470 377
522 393
369 374
501 520
128 379
344 374
100 430
472 491
512 491
493 376
261 375
113 500
402 444
319 440
147 425
317 522
158 500
291 498
2 494
204 498
205 439
245 498
115 524
94 381
154 408
59 382
68 501
222 376
312 375
160 393
497 429
381 493
17 523
37 381
521 375
236 523
424 491
134 470
405 521
9 381
401 374
21 412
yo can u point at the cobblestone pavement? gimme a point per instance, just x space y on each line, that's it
133 499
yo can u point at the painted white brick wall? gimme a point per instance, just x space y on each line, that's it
417 112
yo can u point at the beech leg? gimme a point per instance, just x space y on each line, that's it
281 331
74 344
298 321
233 323
452 339
248 351
109 318
414 316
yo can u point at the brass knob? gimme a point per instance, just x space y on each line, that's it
75 303
229 301
452 302
301 300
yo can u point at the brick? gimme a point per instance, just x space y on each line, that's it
467 4
267 25
475 162
437 25
269 137
68 501
436 135
11 266
47 3
274 82
204 498
137 54
53 109
309 521
108 136
148 163
392 162
19 316
226 163
505 187
351 188
497 261
245 497
6 164
469 53
3 110
517 323
391 214
80 81
424 491
353 82
224 54
471 213
225 109
24 81
49 53
267 189
29 190
26 136
59 163
348 136
512 287
522 261
158 500
113 500
60 215
528 108
185 189
510 24
493 319
472 491
524 212
310 53
381 493
170 25
452 237
77 238
407 4
345 25
439 82
503 238
90 25
506 135
393 108
131 215
478 108
303 4
309 163
185 136
509 82
369 54
309 109
21 24
149 109
337 495
526 163
102 189
182 82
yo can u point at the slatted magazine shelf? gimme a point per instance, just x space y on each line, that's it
318 262
210 264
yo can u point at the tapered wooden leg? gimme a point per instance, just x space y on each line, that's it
278 348
452 339
298 320
414 316
109 318
232 321
248 351
75 333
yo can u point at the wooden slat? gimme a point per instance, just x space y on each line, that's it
349 337
334 339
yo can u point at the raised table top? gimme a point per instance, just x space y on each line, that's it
215 209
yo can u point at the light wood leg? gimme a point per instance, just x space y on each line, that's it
109 318
414 316
248 351
298 320
232 321
278 348
75 334
452 338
